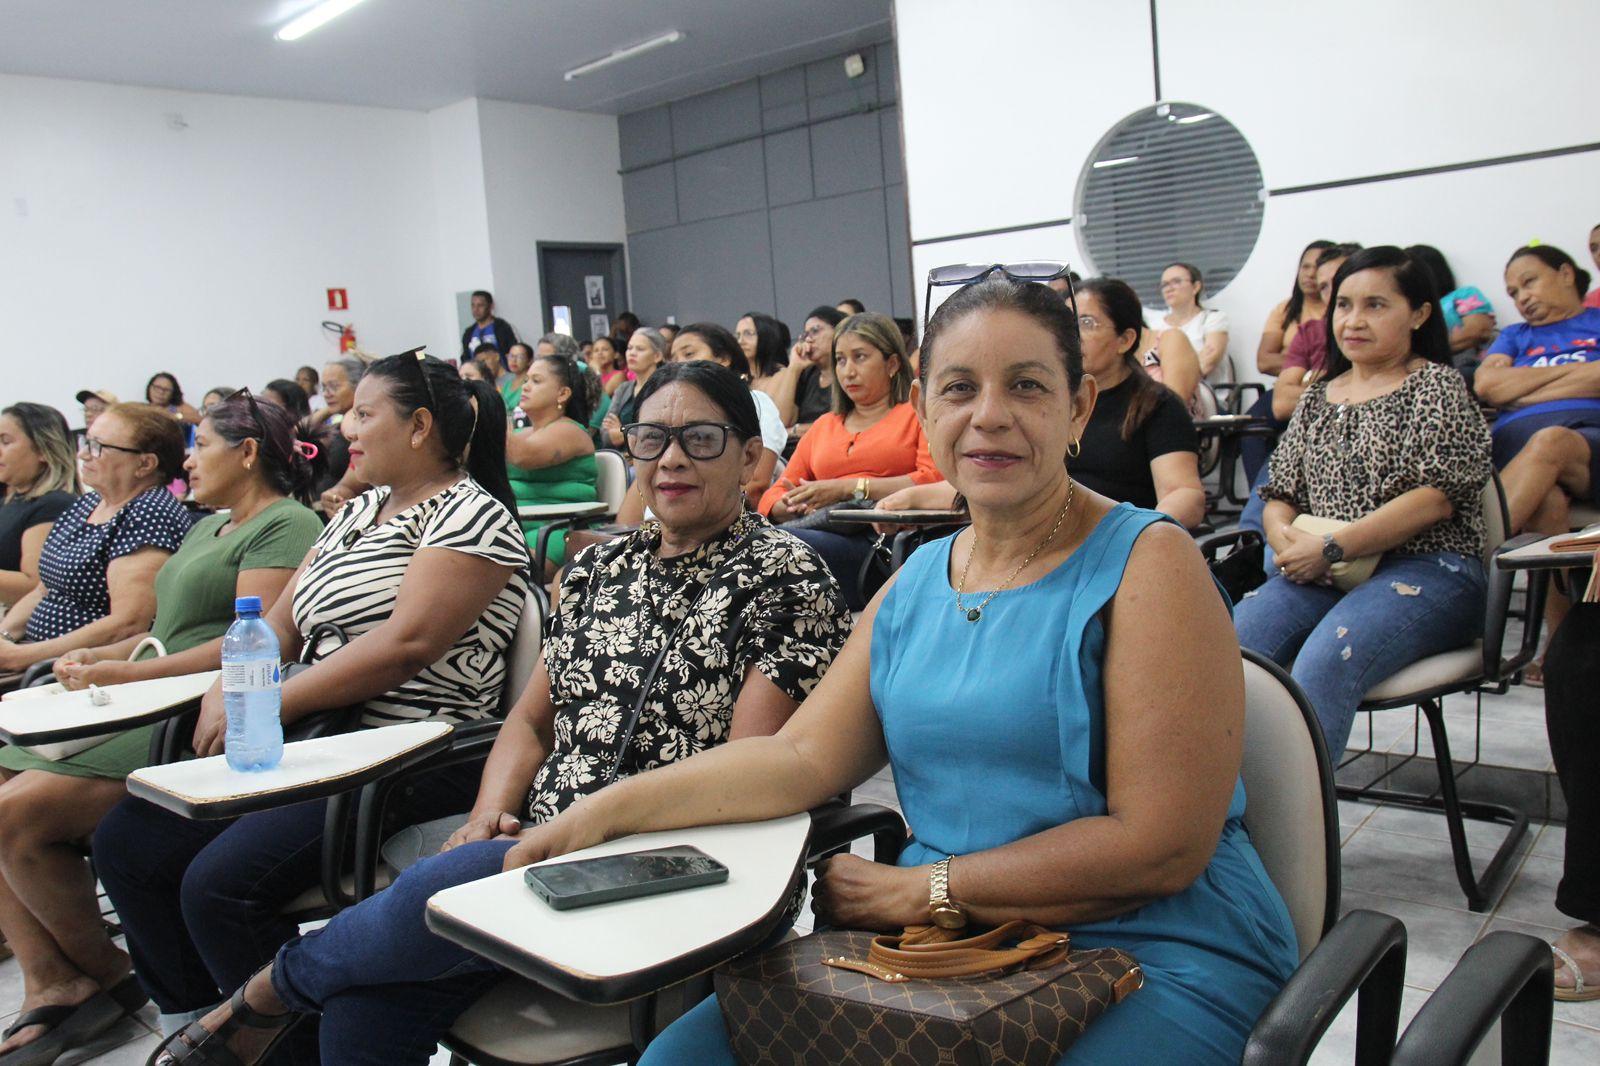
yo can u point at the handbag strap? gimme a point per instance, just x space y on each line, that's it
919 953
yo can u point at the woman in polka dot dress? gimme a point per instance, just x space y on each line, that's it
98 566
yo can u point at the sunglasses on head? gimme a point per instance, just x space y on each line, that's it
964 274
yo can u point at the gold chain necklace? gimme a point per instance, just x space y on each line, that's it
975 613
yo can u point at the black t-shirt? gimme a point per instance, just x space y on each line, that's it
19 515
812 398
335 458
1120 469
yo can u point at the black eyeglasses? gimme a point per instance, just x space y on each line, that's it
646 441
964 274
255 412
92 448
415 357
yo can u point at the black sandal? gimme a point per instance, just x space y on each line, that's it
194 1043
69 1027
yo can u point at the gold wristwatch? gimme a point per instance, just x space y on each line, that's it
947 914
863 485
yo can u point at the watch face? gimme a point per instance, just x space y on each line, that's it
949 918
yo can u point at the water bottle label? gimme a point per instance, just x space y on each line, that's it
251 676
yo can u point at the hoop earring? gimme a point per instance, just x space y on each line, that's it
1075 448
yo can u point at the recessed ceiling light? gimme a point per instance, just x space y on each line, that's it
670 37
320 15
1120 161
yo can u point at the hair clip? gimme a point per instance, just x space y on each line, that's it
307 450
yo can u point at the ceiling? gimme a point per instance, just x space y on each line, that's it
424 54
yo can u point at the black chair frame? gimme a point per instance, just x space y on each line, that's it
1506 977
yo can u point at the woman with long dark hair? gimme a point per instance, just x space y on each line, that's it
765 343
1391 444
426 573
1140 444
1303 305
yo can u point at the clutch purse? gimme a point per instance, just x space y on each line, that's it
1016 994
1347 573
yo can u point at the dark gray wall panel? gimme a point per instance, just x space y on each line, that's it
832 92
826 250
645 137
847 155
789 167
713 270
650 198
894 166
783 98
888 89
716 117
724 181
900 280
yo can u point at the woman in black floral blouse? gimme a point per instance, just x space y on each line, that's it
705 625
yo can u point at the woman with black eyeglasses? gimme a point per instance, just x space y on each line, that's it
425 573
705 573
100 559
246 463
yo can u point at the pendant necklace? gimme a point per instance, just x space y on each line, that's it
975 613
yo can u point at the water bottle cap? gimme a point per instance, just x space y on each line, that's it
247 604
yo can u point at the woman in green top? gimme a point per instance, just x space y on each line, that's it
247 460
598 401
552 461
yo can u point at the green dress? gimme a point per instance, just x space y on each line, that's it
510 387
194 604
570 482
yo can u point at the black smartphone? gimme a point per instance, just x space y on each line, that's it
585 882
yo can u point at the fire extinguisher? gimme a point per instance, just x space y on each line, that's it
346 334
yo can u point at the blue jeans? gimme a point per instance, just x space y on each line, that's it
1337 645
1253 450
201 902
1251 518
386 986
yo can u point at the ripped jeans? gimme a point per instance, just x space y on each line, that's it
1340 644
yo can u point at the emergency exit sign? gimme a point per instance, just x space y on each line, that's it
338 300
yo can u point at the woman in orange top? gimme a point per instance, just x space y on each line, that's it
868 446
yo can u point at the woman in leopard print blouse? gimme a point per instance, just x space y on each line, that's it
1392 443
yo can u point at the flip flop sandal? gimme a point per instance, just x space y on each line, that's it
1580 992
65 1028
196 1044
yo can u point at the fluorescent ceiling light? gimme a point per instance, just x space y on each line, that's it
323 13
1190 120
1121 160
670 37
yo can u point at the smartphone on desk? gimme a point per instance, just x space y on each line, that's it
586 882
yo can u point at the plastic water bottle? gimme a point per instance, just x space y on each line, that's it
251 689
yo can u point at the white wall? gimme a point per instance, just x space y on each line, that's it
548 175
127 246
1322 93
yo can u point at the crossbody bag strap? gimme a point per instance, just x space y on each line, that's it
913 955
655 664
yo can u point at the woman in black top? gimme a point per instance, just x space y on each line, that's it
40 475
1140 444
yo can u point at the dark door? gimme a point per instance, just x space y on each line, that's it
584 287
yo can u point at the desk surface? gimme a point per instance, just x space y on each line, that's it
618 951
1538 556
561 510
50 715
901 518
202 789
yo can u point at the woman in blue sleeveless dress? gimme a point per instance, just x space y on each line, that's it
1065 741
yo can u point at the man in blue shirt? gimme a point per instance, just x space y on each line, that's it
486 328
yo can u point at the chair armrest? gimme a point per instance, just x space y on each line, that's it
37 674
835 825
1506 977
541 550
471 741
1365 953
1211 545
1495 667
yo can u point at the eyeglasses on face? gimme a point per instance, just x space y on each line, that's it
964 274
811 333
93 448
647 441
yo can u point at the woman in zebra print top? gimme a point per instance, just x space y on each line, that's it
426 573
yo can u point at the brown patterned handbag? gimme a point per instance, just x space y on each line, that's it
1016 994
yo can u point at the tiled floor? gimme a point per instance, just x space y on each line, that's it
1394 860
